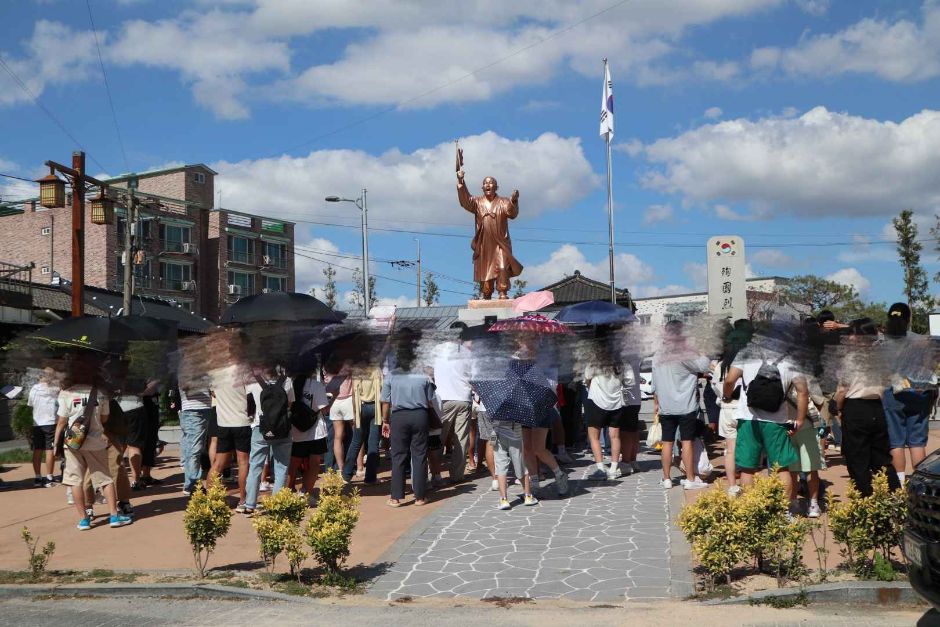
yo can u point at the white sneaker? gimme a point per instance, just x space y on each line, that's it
613 472
695 484
504 504
666 483
265 487
813 511
734 491
494 486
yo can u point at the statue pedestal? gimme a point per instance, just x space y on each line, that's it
477 310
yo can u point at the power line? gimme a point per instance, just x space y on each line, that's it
107 88
19 178
46 110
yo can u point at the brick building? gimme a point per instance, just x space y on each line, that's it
189 252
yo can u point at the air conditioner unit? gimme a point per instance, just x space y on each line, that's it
234 290
266 260
189 248
189 286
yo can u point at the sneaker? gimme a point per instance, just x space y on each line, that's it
68 496
635 466
561 484
126 509
504 504
494 487
530 499
613 473
598 475
84 524
89 512
564 458
695 484
187 492
813 511
137 486
120 520
249 512
666 483
38 482
626 469
265 487
48 482
240 509
734 491
360 474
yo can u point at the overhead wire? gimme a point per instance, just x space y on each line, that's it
107 88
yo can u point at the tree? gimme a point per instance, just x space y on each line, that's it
877 311
329 290
916 285
477 292
813 293
357 298
431 291
518 286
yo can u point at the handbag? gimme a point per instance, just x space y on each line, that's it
655 434
76 432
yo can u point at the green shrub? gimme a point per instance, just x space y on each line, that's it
868 526
37 561
715 529
329 530
286 505
207 519
279 532
22 420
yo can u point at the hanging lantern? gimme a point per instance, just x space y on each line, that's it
51 191
102 209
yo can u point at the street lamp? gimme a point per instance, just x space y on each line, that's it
364 211
51 191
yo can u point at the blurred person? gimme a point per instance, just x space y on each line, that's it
368 428
309 445
451 367
339 384
42 400
269 391
630 421
232 426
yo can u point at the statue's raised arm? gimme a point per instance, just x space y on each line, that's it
463 194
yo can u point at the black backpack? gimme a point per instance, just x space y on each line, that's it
302 416
766 392
275 413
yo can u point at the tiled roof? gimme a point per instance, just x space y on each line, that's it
578 289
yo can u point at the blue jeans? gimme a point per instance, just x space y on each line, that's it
194 425
260 448
366 433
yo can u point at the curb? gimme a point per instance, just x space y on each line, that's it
867 592
203 591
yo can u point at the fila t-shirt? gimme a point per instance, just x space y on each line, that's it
72 402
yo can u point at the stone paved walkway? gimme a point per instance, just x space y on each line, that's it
607 541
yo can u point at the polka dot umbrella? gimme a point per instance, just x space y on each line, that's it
530 323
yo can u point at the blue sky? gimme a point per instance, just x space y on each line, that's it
802 125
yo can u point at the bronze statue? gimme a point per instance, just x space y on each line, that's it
492 249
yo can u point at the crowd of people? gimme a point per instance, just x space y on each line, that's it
514 403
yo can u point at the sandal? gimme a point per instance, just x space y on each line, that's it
393 503
420 502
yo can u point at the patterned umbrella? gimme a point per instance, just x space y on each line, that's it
523 395
531 323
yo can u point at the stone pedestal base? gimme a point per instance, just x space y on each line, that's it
476 310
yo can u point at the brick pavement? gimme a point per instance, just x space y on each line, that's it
607 541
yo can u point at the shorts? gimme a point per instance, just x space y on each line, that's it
233 439
212 431
485 426
308 448
727 423
507 448
43 437
342 409
686 426
629 419
136 427
806 443
598 418
907 413
756 437
94 461
434 442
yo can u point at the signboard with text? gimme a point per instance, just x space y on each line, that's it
727 287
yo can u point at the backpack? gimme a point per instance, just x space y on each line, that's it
302 416
765 392
275 413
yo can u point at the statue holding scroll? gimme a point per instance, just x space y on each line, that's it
492 249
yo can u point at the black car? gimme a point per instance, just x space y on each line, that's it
922 532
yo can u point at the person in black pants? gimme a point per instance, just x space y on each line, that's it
406 406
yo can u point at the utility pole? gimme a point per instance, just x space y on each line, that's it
78 235
418 241
366 292
130 222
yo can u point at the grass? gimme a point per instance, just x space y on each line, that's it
16 456
97 575
507 602
783 602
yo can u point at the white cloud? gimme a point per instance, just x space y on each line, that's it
724 212
772 258
821 163
814 7
648 291
698 273
896 50
629 270
657 213
864 251
713 113
852 277
551 172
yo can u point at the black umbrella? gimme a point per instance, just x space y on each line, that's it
280 307
106 335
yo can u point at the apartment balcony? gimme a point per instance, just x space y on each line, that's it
273 263
249 259
174 247
174 285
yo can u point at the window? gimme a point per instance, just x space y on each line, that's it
46 230
172 237
173 275
243 280
275 283
141 271
240 249
44 270
199 177
276 255
142 231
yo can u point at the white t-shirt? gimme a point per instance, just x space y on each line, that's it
749 367
255 390
314 393
605 389
231 399
452 372
72 402
42 398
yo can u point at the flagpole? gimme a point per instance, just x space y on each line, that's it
610 210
